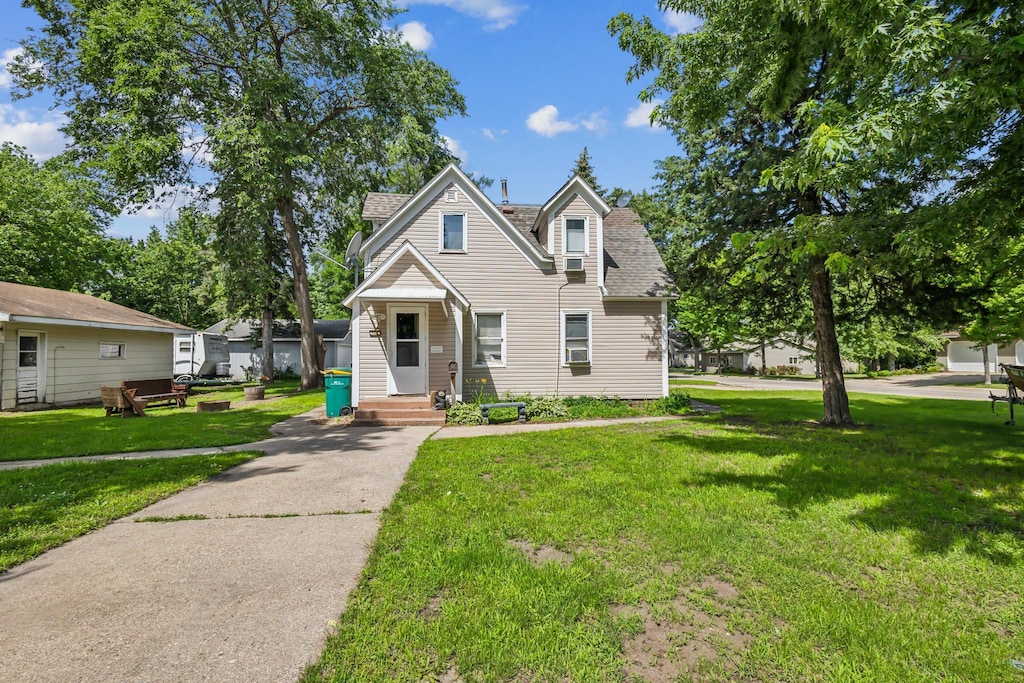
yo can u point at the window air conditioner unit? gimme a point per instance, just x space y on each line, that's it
578 355
574 264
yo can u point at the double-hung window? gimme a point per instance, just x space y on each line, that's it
576 336
489 338
453 232
575 235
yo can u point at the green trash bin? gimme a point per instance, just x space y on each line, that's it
338 385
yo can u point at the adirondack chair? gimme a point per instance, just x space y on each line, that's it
1014 388
120 401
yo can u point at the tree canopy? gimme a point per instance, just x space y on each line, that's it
820 150
291 105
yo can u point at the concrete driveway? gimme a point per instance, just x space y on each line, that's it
247 593
935 385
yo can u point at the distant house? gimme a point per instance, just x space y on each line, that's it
964 355
246 349
780 351
564 298
58 348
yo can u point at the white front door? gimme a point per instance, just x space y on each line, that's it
407 349
30 362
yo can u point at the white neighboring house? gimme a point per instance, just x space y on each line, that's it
57 348
964 355
246 350
779 351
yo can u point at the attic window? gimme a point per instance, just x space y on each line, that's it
452 232
111 350
451 196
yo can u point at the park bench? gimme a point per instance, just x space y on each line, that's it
155 390
486 407
118 401
1014 388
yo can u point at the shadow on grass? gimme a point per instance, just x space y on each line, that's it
947 472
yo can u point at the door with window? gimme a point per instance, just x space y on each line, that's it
407 349
30 360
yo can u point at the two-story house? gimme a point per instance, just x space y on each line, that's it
568 298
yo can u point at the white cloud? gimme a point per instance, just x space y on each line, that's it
545 122
640 116
596 123
416 35
682 22
496 14
40 137
8 56
493 136
455 148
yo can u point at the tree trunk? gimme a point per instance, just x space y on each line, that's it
764 360
984 361
267 362
311 377
833 387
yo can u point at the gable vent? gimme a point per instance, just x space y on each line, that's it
451 196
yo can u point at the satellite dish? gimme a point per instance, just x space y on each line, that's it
352 253
623 201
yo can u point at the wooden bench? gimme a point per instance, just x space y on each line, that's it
486 407
118 401
1014 388
156 390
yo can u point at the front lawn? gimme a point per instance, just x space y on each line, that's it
43 507
752 545
86 431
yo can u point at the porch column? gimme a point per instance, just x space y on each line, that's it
356 309
460 316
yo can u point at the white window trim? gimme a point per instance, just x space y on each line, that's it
586 235
504 338
122 348
440 232
590 335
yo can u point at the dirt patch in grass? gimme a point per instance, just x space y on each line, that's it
542 554
682 639
432 610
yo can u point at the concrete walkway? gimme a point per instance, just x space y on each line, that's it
246 594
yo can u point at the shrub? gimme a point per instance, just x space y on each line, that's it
465 414
546 408
675 403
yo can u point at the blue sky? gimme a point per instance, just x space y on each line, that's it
542 80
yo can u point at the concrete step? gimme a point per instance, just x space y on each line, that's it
398 422
395 402
397 413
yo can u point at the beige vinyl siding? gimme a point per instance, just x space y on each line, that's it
73 369
495 275
373 373
442 333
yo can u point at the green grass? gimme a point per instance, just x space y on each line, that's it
672 382
43 507
779 550
86 431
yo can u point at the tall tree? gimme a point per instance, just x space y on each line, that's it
297 97
584 168
51 224
813 108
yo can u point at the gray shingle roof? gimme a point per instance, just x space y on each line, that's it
24 301
380 206
632 264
